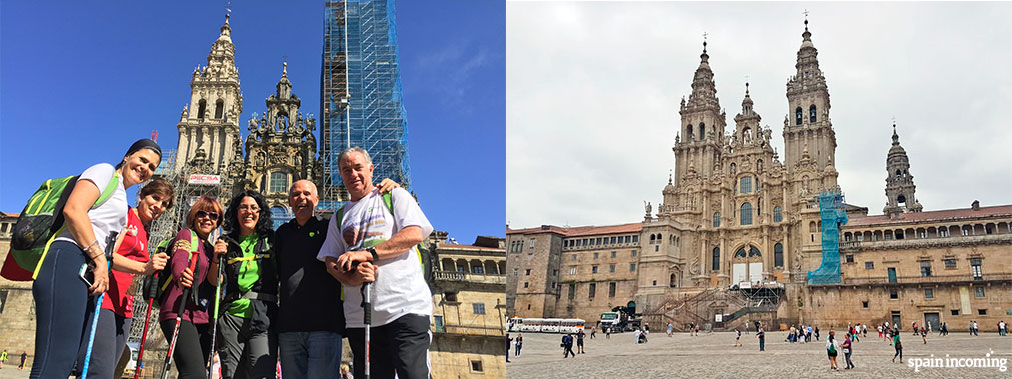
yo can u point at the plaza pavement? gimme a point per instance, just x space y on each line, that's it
713 355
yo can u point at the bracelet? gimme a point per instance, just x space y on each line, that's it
90 246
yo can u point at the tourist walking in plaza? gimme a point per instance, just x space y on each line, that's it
737 337
131 258
381 260
943 330
897 345
1002 328
567 346
670 328
832 347
816 332
924 335
880 332
607 332
24 356
193 344
847 348
518 344
593 331
3 358
63 299
579 341
761 335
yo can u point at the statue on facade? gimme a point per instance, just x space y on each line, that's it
647 207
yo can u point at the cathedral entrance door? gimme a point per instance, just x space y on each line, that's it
738 273
931 318
755 272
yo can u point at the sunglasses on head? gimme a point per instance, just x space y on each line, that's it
211 215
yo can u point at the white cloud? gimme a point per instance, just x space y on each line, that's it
593 91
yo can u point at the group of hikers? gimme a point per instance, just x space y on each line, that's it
233 285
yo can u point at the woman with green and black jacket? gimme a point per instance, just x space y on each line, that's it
248 346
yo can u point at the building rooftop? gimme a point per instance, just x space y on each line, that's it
940 215
576 231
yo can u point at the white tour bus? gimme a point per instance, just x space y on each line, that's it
546 325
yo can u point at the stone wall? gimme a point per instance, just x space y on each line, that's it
468 356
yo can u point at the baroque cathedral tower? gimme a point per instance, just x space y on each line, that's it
810 128
899 184
209 125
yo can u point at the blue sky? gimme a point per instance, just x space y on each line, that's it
79 82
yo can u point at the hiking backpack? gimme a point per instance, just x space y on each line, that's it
40 222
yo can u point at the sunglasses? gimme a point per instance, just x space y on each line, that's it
211 215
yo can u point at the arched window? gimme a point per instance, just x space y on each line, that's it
778 255
778 214
746 184
716 258
219 107
899 173
797 116
754 252
279 182
702 131
746 214
811 113
201 108
688 132
652 238
716 219
740 253
671 283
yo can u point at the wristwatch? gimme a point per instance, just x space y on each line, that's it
375 257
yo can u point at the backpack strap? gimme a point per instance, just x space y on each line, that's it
388 199
194 242
108 191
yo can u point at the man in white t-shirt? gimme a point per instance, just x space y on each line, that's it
372 244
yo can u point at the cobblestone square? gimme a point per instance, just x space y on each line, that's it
713 355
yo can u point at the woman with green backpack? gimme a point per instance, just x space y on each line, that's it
74 267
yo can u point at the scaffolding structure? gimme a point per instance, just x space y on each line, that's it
831 210
360 100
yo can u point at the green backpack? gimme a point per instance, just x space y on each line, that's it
424 256
42 221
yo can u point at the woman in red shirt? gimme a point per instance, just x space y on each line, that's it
131 258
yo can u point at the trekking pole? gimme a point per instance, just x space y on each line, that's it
367 319
179 318
110 247
150 292
217 300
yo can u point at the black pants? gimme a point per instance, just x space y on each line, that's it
61 308
401 346
110 339
192 347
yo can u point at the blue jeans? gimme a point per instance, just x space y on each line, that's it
310 354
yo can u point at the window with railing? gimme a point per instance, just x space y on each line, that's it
975 269
925 268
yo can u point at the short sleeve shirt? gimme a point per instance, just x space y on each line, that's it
111 215
134 247
400 287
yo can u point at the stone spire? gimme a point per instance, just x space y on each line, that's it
899 183
746 122
210 127
807 121
702 124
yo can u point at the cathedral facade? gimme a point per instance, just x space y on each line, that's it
739 229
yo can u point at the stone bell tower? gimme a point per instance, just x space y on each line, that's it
209 125
899 184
